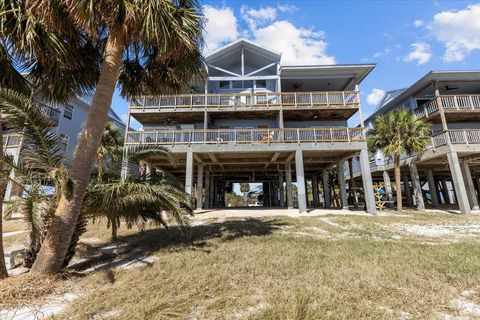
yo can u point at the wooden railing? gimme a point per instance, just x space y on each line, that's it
450 103
12 140
466 136
253 136
264 100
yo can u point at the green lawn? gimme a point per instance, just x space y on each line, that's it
413 266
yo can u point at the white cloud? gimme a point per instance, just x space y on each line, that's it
220 27
421 53
287 8
418 23
297 45
375 96
382 53
257 17
458 31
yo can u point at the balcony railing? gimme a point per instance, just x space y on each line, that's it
265 100
450 103
466 136
253 136
12 140
49 112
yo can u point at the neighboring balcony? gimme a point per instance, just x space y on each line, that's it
12 140
466 137
247 101
253 136
452 104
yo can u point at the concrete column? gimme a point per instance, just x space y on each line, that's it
207 188
125 171
316 199
302 194
341 184
388 185
417 187
458 182
288 173
199 191
471 194
189 174
367 182
407 191
326 189
432 187
446 193
280 189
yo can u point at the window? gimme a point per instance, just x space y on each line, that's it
68 112
63 142
248 84
236 84
261 83
224 84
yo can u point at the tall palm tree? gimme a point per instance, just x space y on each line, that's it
3 267
396 133
148 46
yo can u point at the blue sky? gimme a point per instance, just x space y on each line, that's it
405 38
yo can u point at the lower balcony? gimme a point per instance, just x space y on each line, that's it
248 136
454 106
465 136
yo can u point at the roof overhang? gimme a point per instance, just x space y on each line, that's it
356 72
428 80
236 45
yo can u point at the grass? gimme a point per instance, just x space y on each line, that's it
335 267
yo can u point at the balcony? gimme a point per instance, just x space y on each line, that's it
247 101
253 136
12 140
451 104
466 136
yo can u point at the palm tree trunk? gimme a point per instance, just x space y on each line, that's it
51 257
397 183
3 267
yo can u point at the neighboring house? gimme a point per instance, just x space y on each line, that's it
253 119
67 120
448 171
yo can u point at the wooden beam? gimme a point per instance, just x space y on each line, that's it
290 157
273 159
261 69
214 159
197 158
223 70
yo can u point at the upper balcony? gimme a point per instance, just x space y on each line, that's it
332 104
456 107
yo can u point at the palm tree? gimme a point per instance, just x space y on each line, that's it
110 150
396 133
40 165
3 267
148 46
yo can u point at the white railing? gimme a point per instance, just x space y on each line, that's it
253 136
12 140
466 136
264 100
450 103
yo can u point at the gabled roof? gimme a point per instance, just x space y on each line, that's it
236 45
387 97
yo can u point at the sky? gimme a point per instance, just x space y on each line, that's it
406 39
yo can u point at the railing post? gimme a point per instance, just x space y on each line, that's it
298 136
348 135
331 134
234 136
311 99
173 137
471 102
251 136
156 137
295 99
191 101
145 102
343 98
465 136
326 97
315 135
